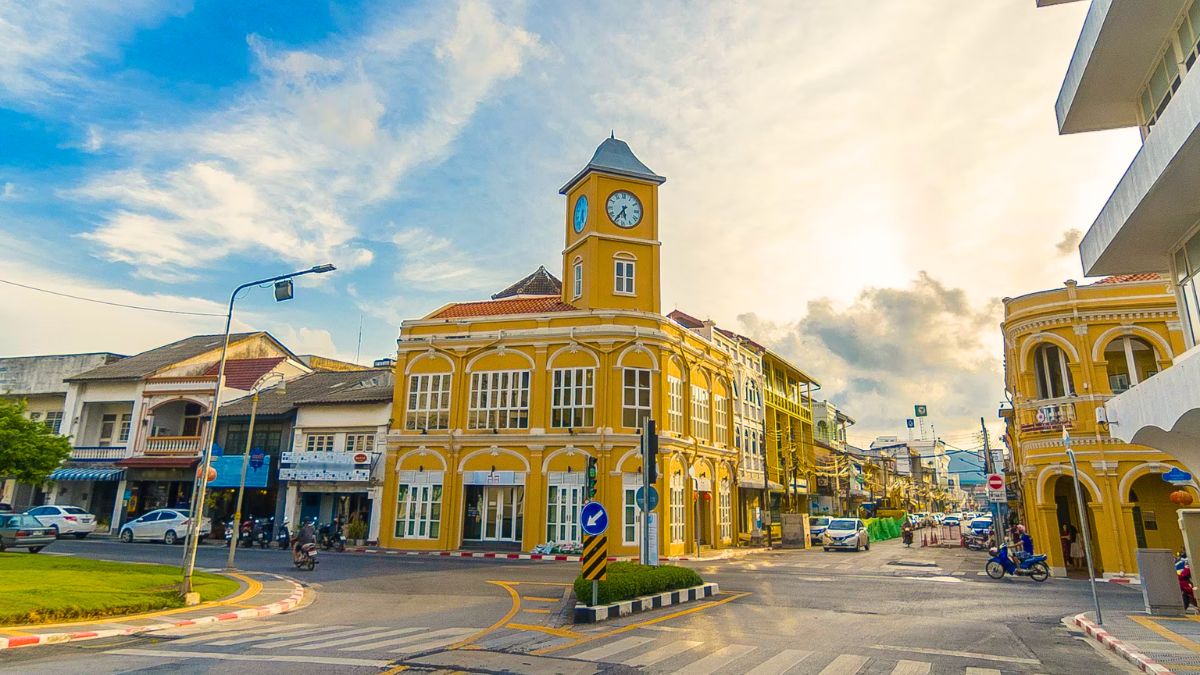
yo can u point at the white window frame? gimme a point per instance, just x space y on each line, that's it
428 401
419 509
562 512
499 400
725 511
124 426
700 413
674 404
319 442
640 392
678 509
630 523
720 419
360 442
572 398
577 270
624 275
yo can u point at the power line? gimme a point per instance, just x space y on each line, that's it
106 302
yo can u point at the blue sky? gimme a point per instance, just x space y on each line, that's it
853 181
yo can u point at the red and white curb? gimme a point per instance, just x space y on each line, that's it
548 557
1124 649
279 607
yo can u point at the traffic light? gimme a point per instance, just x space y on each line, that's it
591 478
651 457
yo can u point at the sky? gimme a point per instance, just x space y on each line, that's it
855 183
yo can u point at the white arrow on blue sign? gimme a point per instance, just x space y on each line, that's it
593 519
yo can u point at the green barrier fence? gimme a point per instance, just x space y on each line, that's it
880 529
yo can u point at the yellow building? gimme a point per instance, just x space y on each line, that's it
1067 351
788 423
500 403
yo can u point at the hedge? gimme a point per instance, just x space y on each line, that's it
628 580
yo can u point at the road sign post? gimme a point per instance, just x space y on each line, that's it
593 519
996 492
595 563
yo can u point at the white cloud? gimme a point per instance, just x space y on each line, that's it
434 263
288 169
9 191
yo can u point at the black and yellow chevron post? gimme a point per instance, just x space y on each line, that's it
595 557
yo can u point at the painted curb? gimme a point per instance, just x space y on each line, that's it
1124 649
545 557
278 607
586 614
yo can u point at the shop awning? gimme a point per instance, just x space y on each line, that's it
86 474
757 485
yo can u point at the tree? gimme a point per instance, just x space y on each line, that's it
29 450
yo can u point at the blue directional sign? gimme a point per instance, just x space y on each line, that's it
593 519
1177 476
640 498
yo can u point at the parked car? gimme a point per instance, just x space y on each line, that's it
952 520
980 525
816 528
20 530
848 533
65 519
166 525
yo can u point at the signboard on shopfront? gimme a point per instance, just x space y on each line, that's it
325 466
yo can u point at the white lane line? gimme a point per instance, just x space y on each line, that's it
361 638
963 655
174 655
319 639
281 634
780 663
912 668
716 660
605 651
396 642
455 634
846 664
971 670
662 653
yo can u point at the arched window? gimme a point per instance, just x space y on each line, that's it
823 430
1130 361
1053 374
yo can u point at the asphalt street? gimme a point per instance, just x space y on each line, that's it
889 610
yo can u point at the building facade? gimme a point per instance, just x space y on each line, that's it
788 428
1068 352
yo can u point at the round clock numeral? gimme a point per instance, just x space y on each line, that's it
624 208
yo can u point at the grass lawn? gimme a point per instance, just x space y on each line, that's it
45 589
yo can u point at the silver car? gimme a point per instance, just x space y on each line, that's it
847 533
169 526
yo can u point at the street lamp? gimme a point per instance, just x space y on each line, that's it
197 507
273 380
1083 524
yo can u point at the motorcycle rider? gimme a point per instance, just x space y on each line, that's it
1026 543
307 535
906 533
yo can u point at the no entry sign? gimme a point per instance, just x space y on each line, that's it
996 492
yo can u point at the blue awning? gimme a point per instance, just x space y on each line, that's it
87 474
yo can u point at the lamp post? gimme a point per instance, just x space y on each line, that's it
260 386
1083 525
283 291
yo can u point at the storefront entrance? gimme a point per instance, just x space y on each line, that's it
494 513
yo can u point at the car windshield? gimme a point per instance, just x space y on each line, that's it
19 520
981 523
818 520
74 509
843 524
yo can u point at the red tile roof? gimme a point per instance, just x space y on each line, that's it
243 373
1129 278
540 305
686 320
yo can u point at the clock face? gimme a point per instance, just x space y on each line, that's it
624 209
580 213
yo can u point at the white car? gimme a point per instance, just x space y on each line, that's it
166 525
848 533
65 519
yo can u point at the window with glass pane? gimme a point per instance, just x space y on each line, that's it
572 397
54 422
499 400
562 512
319 442
1129 360
720 419
1052 371
675 404
700 413
635 397
268 436
678 508
428 402
623 277
725 510
418 511
578 279
629 528
360 442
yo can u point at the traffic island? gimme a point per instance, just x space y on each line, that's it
630 588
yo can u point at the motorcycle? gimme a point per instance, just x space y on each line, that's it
229 532
306 557
260 533
331 537
907 537
246 534
977 542
284 538
1002 563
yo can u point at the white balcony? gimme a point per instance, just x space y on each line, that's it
1119 43
171 446
96 453
1163 412
1154 204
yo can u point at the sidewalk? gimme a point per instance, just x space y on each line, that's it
718 554
1153 644
259 594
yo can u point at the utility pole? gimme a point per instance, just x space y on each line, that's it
991 468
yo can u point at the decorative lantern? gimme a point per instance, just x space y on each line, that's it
212 473
1182 498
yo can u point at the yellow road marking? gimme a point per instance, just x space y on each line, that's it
557 632
537 599
639 624
397 669
1165 632
512 611
253 587
536 611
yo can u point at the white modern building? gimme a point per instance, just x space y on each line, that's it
1132 68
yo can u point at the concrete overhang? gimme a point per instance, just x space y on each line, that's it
1047 3
1119 43
1163 412
1154 203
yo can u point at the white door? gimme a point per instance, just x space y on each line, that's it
562 513
504 511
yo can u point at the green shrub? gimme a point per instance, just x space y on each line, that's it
628 580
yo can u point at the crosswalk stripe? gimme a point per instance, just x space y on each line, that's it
715 660
780 663
846 664
912 668
362 638
454 635
972 670
624 644
407 639
317 639
281 634
662 653
192 635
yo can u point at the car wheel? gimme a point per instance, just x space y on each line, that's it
1 546
127 536
35 549
81 535
170 538
55 528
868 546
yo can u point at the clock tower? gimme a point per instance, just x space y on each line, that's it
611 256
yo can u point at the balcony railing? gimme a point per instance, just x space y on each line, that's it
171 446
98 453
1046 416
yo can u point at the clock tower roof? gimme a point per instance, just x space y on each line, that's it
614 157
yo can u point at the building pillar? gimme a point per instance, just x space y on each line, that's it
289 505
114 523
1046 537
375 494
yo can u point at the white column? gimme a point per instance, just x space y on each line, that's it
289 506
118 507
376 495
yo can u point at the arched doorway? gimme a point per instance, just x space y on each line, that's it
1153 514
1068 515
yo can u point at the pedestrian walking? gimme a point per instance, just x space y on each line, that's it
1187 588
1077 552
1065 536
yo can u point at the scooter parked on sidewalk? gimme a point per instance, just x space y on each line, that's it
977 542
283 538
305 557
331 537
1002 563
